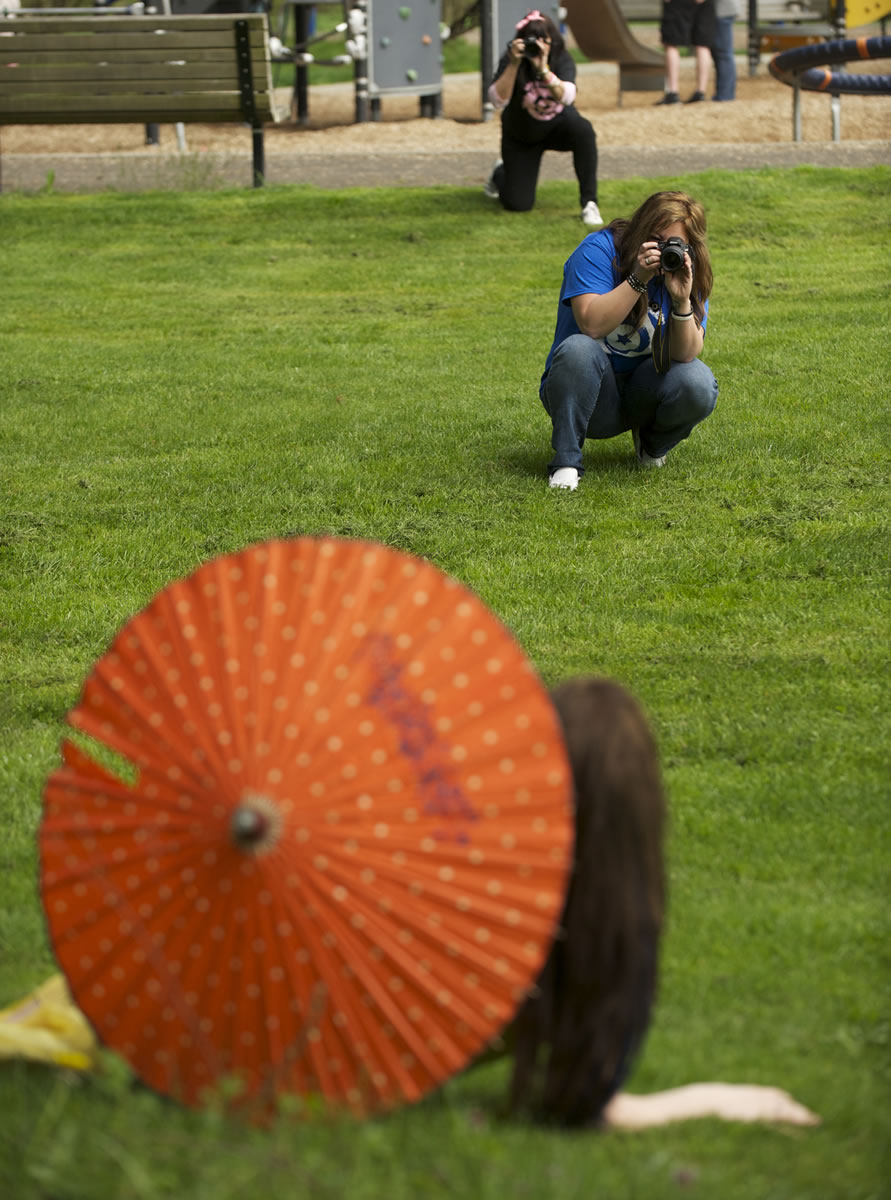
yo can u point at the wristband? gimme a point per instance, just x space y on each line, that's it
682 316
634 282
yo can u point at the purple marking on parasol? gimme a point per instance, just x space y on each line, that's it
418 740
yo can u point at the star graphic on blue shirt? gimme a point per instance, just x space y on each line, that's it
623 338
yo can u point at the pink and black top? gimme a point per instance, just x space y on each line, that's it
532 110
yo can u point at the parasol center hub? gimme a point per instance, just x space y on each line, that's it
255 824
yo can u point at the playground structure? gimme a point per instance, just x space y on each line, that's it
806 68
394 47
791 24
804 46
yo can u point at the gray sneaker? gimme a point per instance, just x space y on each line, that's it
645 460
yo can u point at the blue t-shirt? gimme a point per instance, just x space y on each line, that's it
592 267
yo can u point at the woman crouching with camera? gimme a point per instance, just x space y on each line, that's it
534 87
630 328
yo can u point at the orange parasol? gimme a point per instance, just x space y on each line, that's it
340 862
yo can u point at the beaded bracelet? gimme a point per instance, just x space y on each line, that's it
634 282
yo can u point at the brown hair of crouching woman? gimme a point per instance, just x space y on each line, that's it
575 1039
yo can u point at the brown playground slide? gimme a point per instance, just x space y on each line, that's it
602 34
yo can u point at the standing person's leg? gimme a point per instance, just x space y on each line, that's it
581 398
673 69
672 76
725 63
666 408
517 176
703 67
703 38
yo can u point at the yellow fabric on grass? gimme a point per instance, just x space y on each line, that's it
47 1026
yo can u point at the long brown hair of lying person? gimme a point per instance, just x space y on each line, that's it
575 1037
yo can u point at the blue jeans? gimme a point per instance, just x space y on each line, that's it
585 399
725 64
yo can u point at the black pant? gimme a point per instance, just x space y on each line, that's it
517 178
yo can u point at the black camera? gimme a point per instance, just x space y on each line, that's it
672 252
531 48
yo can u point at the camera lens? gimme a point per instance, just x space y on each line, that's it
672 258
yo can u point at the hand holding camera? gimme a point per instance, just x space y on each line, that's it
673 259
534 49
515 50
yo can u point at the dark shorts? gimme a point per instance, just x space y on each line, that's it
686 23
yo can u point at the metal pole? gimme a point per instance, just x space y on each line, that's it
754 39
259 154
487 60
361 68
841 21
301 74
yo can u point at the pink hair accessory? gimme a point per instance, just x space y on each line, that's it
535 15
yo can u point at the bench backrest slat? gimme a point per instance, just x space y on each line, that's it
72 74
95 58
157 45
136 25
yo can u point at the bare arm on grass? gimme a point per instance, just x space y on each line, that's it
726 1101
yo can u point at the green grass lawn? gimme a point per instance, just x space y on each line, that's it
183 375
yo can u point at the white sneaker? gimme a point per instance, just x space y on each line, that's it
645 460
489 186
564 477
591 215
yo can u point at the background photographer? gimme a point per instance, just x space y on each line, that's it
611 367
534 88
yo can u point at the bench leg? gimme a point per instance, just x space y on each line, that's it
259 157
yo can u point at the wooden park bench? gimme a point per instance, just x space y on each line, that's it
122 68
